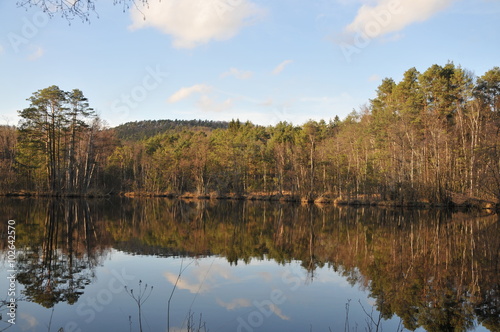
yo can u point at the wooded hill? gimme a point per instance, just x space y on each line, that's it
428 138
139 130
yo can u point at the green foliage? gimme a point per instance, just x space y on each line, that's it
140 130
426 138
488 89
55 139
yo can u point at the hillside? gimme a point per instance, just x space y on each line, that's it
138 130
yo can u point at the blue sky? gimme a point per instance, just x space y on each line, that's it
263 61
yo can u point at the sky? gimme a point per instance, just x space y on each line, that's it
255 60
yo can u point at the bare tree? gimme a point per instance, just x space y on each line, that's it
70 9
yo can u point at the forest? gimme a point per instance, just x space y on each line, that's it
428 138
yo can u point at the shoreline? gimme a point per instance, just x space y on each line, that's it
457 200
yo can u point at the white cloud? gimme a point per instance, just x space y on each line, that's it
184 93
277 311
235 304
29 321
38 53
1 49
208 104
387 16
374 78
239 74
201 279
268 277
195 22
281 67
9 117
183 283
267 102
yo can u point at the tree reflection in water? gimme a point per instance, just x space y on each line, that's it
435 269
58 247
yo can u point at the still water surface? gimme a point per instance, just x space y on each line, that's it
114 265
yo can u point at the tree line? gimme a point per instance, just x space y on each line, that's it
424 138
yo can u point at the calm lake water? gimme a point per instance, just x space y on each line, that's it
114 265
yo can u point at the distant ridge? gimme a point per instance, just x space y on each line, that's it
139 130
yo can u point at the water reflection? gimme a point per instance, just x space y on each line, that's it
434 269
58 245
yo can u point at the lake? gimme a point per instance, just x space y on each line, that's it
158 264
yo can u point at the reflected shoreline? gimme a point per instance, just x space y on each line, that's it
457 202
435 269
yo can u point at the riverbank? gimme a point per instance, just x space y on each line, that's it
456 200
